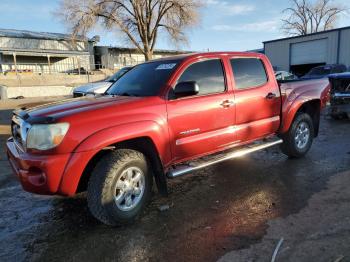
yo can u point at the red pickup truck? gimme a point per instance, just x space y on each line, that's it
162 119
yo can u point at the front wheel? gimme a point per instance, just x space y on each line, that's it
298 140
119 187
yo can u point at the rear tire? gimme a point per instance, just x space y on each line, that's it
298 140
119 187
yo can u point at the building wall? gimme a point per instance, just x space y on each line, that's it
279 51
32 54
115 58
344 47
40 65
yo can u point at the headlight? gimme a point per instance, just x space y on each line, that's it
44 137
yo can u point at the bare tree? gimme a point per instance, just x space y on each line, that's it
307 16
139 20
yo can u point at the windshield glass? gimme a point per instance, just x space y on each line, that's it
144 80
117 75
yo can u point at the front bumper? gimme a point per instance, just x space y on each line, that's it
40 174
340 109
340 103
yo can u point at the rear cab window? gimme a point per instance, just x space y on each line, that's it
248 72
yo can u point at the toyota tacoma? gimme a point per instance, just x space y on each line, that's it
162 119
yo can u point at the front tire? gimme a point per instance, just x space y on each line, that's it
119 187
298 140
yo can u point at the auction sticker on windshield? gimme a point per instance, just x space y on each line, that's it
166 66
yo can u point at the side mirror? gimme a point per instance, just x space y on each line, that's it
188 88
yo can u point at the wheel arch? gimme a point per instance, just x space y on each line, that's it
146 136
145 145
311 107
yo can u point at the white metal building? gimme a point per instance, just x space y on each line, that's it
301 53
117 57
42 52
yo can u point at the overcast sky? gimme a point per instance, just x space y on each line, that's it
226 25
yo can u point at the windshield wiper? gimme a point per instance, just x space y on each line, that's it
121 94
126 94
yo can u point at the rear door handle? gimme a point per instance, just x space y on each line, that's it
270 96
227 103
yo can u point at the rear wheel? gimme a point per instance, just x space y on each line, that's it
298 140
119 187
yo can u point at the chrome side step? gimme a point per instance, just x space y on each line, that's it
182 170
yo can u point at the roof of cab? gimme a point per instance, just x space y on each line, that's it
206 54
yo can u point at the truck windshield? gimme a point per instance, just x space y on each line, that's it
117 75
144 80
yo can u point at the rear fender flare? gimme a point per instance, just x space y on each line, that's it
288 116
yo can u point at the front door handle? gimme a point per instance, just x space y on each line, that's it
227 103
270 96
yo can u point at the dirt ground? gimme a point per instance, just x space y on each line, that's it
234 211
319 232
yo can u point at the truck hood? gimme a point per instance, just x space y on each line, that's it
342 76
98 87
69 107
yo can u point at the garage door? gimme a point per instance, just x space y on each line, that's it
310 52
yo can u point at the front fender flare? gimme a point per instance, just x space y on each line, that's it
119 133
88 148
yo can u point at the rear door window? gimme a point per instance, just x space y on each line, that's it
248 72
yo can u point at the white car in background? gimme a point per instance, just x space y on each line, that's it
284 75
99 87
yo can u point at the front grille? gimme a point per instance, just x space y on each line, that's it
340 85
340 101
19 130
16 133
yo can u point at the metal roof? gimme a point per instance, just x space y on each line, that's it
300 36
38 35
133 49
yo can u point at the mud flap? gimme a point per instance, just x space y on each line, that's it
161 183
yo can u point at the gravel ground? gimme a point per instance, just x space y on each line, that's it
238 209
319 232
